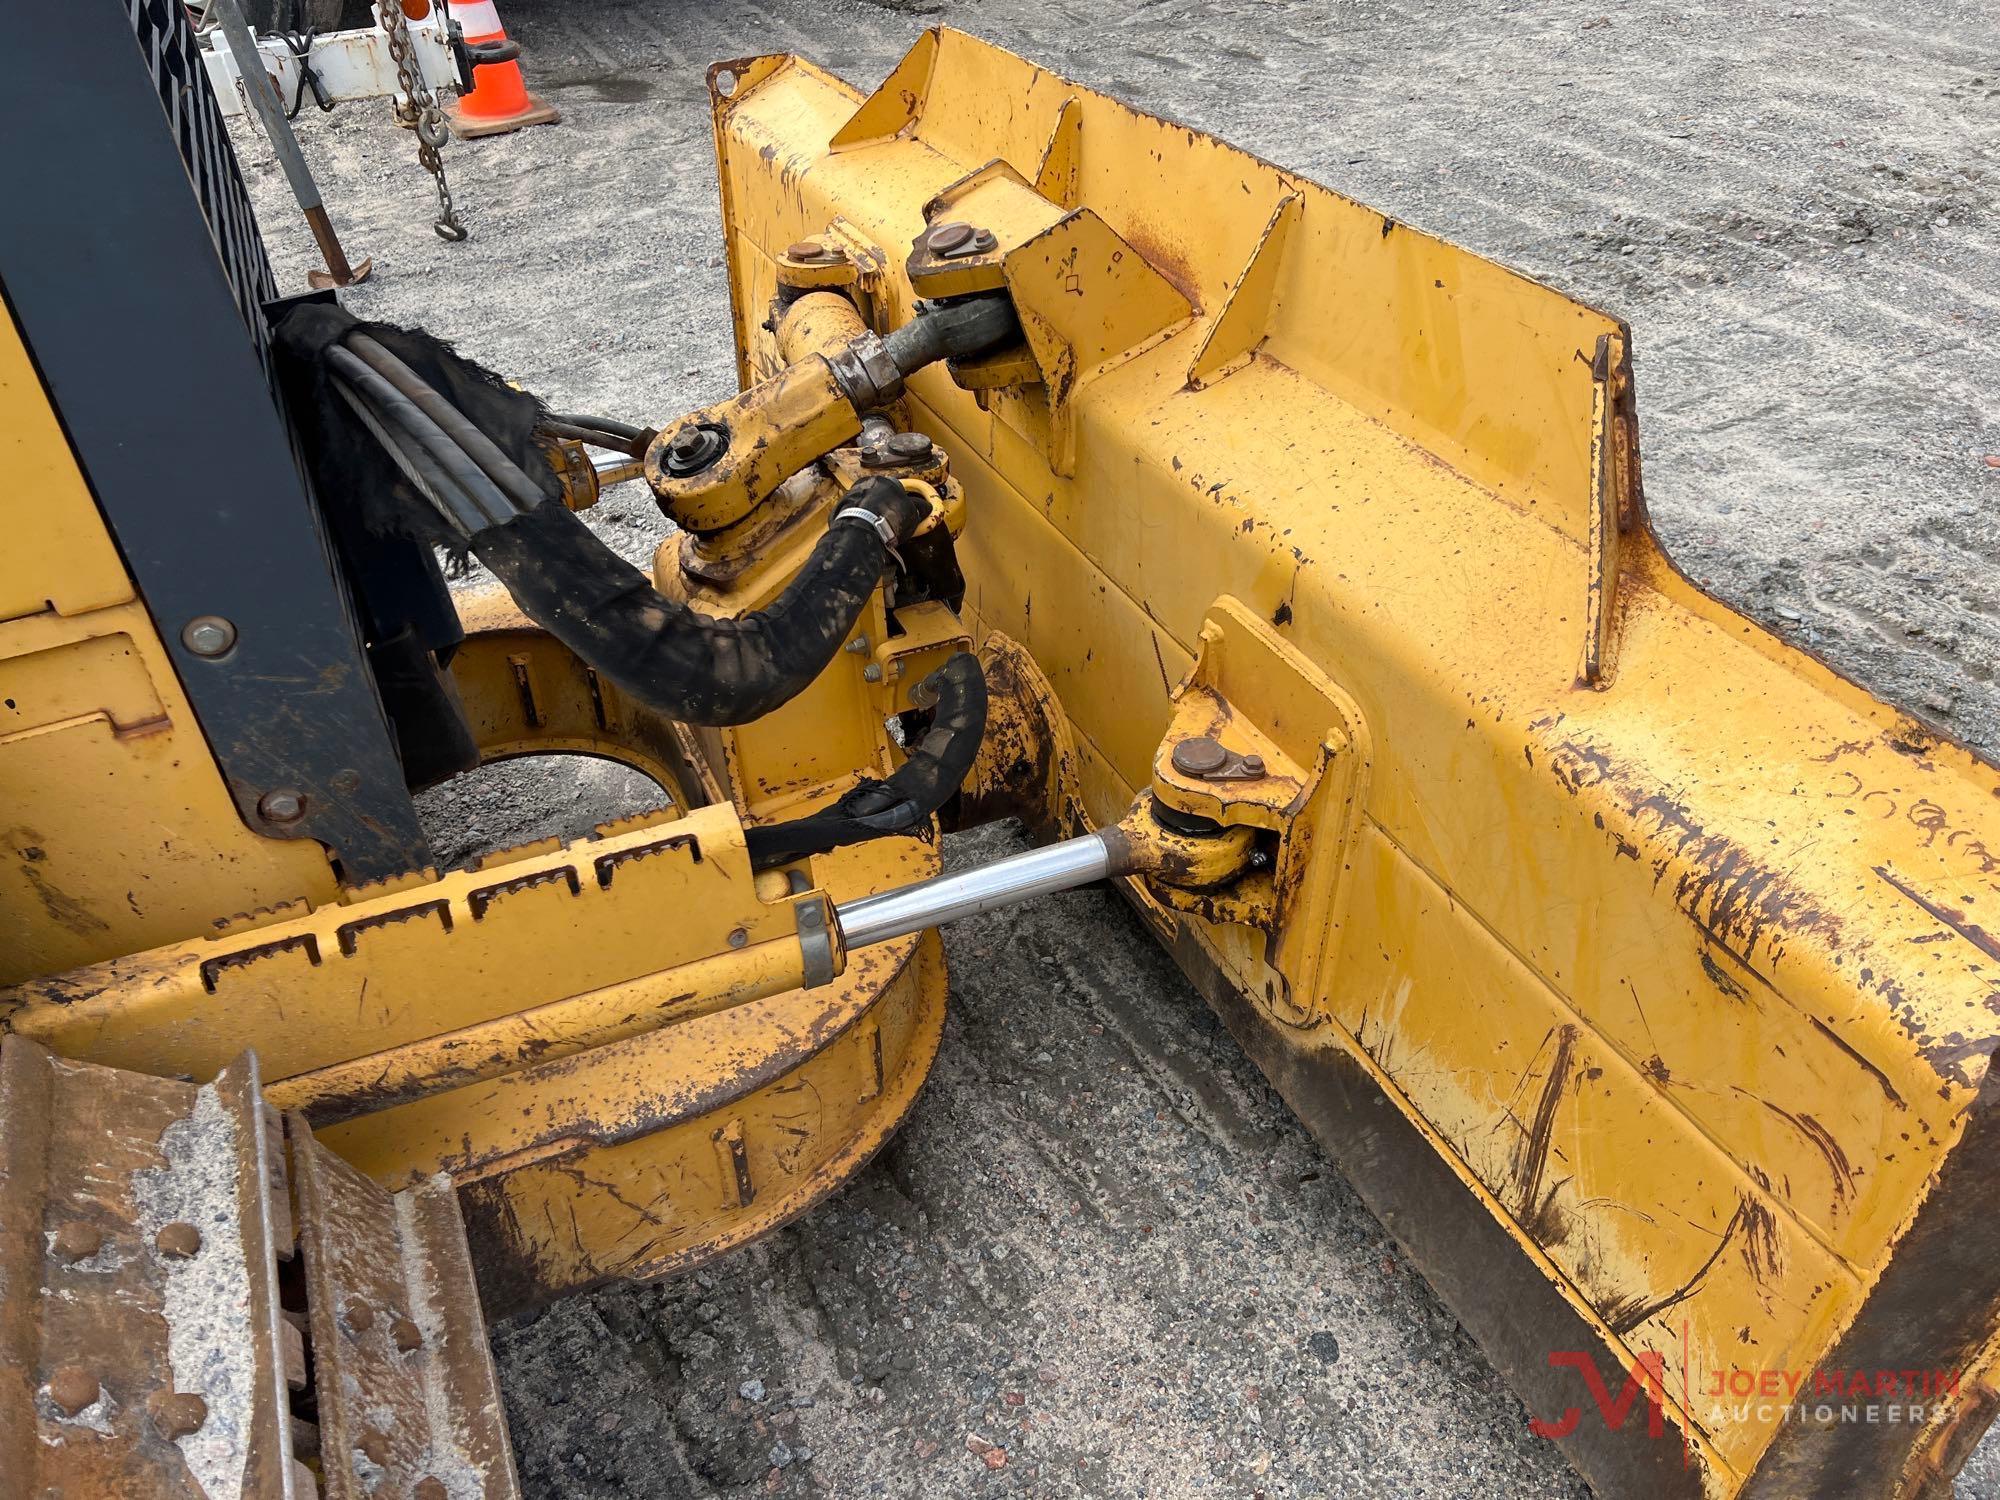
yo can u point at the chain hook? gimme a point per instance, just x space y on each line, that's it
431 129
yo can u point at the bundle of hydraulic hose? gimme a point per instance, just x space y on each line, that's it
433 445
429 445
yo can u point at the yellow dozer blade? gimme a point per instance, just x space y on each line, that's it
1641 971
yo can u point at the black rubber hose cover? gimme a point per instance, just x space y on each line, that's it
688 666
910 796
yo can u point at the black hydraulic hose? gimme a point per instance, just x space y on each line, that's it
454 505
692 667
481 449
387 452
632 447
399 410
625 430
911 795
954 329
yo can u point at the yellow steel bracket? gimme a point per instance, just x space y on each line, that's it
839 258
1000 208
1086 299
1240 328
930 635
772 430
894 107
1087 302
573 466
1261 738
480 973
817 263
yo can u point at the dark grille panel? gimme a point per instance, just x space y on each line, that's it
173 57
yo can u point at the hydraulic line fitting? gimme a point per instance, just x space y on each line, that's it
718 465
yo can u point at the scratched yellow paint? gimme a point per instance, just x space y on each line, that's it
1762 901
607 1005
140 842
1572 1138
648 1156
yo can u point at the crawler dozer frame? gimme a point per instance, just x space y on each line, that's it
1638 969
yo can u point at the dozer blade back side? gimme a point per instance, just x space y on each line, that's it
1640 970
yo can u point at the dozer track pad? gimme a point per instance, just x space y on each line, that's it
407 1392
154 1311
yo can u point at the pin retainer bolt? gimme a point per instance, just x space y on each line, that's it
696 447
1199 756
897 448
952 240
947 238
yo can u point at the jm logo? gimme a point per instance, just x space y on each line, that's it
1647 1376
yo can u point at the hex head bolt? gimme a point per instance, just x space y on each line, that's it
208 635
281 805
694 448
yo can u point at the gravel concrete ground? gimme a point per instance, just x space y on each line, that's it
1101 1244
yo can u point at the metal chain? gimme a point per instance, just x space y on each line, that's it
431 129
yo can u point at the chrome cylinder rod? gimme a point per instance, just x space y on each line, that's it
1039 872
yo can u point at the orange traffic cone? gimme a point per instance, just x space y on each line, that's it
499 100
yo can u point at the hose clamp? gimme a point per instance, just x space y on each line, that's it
878 524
